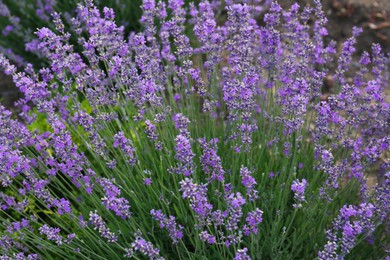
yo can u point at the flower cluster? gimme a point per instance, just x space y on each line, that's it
242 254
169 223
144 247
121 141
98 223
210 161
184 156
253 219
111 201
197 194
298 187
51 234
351 222
249 183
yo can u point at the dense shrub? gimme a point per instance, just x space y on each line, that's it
219 146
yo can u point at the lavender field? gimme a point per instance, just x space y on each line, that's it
209 129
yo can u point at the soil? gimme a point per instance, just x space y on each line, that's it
8 92
372 15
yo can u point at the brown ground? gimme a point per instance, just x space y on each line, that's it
372 15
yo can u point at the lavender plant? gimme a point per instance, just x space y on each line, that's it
20 19
162 146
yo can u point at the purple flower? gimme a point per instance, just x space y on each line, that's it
351 222
298 187
329 252
111 200
181 124
6 66
148 5
169 223
70 238
184 156
253 219
151 130
206 237
98 224
382 198
145 248
177 98
108 13
241 254
236 200
51 233
211 162
63 206
121 141
197 194
249 183
148 181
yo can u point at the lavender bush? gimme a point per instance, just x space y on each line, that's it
221 146
20 19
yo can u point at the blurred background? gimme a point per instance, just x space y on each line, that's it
372 15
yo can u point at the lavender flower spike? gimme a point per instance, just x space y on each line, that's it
298 187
